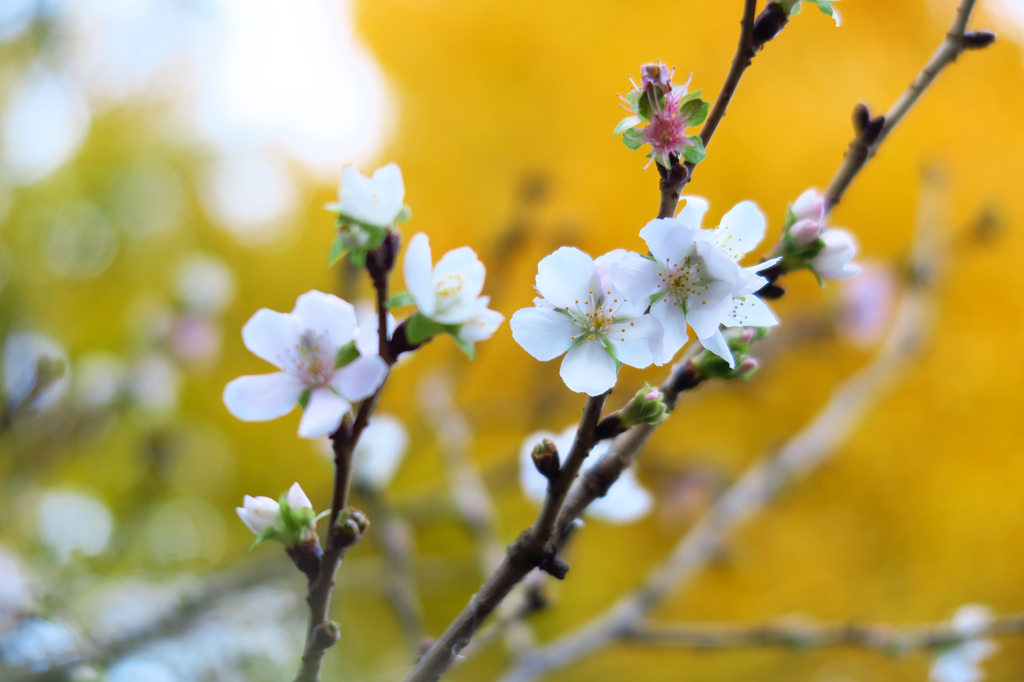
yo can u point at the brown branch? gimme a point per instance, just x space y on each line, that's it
532 549
804 635
870 138
762 482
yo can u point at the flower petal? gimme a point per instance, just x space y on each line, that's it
741 230
717 344
588 368
636 277
750 311
360 378
565 276
297 498
375 201
272 336
673 323
693 212
625 502
329 316
262 397
636 342
482 326
545 334
704 314
418 267
323 413
717 265
368 339
669 240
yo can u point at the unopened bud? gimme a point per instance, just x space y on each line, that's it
656 74
545 458
804 232
861 117
350 526
976 40
872 130
747 368
326 634
769 22
748 335
646 407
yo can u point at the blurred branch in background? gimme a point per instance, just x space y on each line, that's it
762 483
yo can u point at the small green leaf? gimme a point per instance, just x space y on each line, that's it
357 258
646 106
690 96
795 9
346 354
400 300
420 328
694 111
694 153
304 399
465 346
404 216
633 99
633 139
268 533
338 251
790 218
626 124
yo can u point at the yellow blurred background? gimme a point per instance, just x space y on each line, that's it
500 116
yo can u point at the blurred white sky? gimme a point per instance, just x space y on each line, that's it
264 82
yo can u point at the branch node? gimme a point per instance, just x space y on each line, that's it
553 566
326 634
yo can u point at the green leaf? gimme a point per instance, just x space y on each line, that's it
645 106
420 328
690 96
404 216
626 124
346 354
694 153
790 218
633 139
465 346
795 9
269 533
338 251
400 300
304 399
694 111
357 258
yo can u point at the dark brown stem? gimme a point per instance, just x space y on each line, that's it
868 141
529 551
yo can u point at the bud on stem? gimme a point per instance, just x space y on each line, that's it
545 458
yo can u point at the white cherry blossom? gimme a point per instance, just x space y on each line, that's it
833 261
373 201
304 345
581 312
260 513
692 276
627 501
962 662
449 292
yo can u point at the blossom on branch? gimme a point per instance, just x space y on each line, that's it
692 276
289 521
321 369
806 244
582 312
365 209
447 296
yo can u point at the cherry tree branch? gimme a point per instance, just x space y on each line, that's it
872 133
805 635
532 549
763 481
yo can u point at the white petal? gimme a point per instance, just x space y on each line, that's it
636 342
604 263
482 326
323 413
368 338
258 513
272 336
626 501
636 277
673 323
329 316
376 201
750 311
693 212
360 378
545 334
262 397
717 344
379 451
565 276
464 263
741 230
706 312
810 206
669 240
418 268
534 483
716 264
297 498
588 368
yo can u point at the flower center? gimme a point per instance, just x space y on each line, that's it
595 316
449 287
685 281
314 358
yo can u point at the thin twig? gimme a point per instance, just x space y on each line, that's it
530 550
764 480
806 635
863 147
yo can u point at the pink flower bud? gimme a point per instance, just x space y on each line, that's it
810 206
804 232
748 335
747 366
658 74
833 261
653 395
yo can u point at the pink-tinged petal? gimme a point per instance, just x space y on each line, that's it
272 336
297 498
360 378
259 513
565 276
588 368
626 501
323 413
604 263
669 240
636 342
329 316
741 230
810 206
637 278
717 344
693 213
750 311
262 397
673 323
545 334
418 268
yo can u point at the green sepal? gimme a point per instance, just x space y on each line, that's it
420 328
346 354
640 410
400 300
694 111
467 347
357 258
645 105
633 99
690 96
268 533
338 251
304 398
694 153
404 216
633 139
790 218
627 123
795 9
